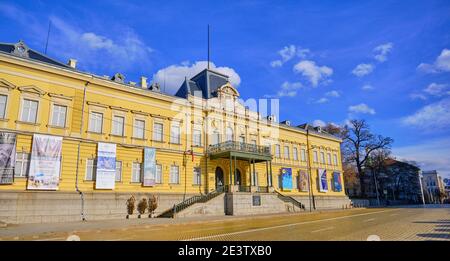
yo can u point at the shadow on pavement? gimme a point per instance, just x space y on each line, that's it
442 231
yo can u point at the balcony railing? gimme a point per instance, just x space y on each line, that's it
239 147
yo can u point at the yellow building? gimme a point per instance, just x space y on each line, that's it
206 143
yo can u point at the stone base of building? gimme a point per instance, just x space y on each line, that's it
325 202
45 207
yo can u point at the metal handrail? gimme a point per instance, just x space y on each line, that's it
239 146
290 199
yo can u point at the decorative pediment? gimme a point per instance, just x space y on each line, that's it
32 89
60 96
228 89
4 83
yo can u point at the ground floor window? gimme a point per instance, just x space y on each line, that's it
118 171
197 176
174 174
90 169
158 178
22 161
136 172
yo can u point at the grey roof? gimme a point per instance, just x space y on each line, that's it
28 53
207 82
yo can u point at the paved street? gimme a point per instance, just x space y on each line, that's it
355 224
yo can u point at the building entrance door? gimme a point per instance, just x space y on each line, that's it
219 178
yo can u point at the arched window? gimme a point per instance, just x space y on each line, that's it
229 134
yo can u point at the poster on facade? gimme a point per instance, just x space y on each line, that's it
45 164
322 175
303 182
149 167
106 166
286 178
7 157
337 181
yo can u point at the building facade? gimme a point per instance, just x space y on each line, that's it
202 140
433 187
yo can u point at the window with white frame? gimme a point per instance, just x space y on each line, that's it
138 130
335 159
197 177
315 159
118 125
3 100
329 158
174 174
175 136
90 169
295 152
229 134
21 167
286 152
158 131
215 137
322 157
197 137
242 139
59 115
29 111
158 178
136 172
95 122
118 171
303 155
277 150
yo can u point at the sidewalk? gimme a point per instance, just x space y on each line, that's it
19 230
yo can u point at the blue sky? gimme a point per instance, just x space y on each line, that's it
327 61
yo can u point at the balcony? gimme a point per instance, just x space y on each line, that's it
240 150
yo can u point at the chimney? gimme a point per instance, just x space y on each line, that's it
72 63
143 82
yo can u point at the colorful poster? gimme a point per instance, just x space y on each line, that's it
323 185
7 157
303 182
286 178
45 165
149 166
337 182
106 166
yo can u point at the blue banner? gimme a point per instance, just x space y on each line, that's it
337 181
149 166
323 184
286 178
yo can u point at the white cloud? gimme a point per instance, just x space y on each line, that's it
381 51
322 100
432 117
417 96
315 74
287 89
436 89
367 87
318 123
333 93
431 154
289 52
441 64
361 108
363 69
174 75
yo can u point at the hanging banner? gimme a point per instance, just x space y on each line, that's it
323 185
337 184
7 157
45 165
303 182
149 167
286 178
106 166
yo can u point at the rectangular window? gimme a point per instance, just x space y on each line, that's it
138 130
118 171
329 158
197 138
3 99
197 176
286 152
175 134
29 111
158 131
90 170
22 161
315 159
158 174
118 124
242 139
303 155
96 122
174 174
277 150
253 142
322 158
136 172
59 115
295 154
335 159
